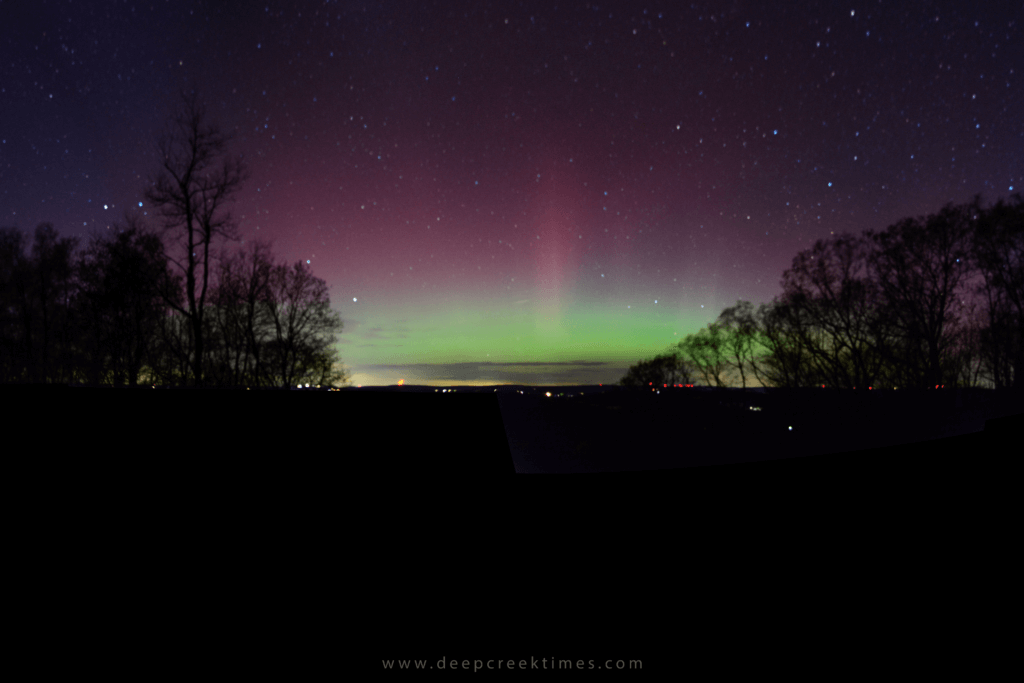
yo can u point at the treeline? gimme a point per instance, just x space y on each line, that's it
114 312
171 305
936 301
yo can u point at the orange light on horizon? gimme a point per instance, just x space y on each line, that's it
401 382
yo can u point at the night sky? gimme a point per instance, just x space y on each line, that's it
522 192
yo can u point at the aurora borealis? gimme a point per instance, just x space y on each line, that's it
514 191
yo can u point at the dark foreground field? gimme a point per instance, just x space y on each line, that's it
680 428
395 431
236 510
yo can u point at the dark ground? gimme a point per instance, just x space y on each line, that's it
257 522
682 428
395 431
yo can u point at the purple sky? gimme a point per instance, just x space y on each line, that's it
522 192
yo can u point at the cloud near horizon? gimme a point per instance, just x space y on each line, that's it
488 373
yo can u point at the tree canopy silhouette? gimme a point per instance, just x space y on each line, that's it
668 368
998 252
121 278
922 268
740 330
706 351
102 316
929 302
274 324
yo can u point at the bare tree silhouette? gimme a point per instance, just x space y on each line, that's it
196 180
